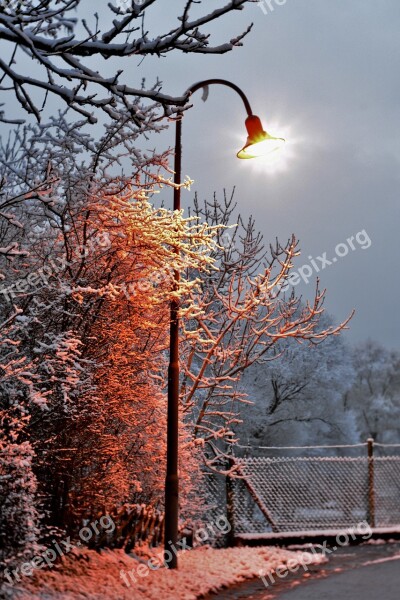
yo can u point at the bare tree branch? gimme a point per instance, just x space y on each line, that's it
243 316
44 35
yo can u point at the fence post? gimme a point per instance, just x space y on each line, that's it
371 483
230 537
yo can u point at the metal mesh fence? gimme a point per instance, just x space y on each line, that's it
303 493
216 505
387 490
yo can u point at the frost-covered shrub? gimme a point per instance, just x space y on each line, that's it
19 518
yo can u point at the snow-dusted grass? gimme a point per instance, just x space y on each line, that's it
89 575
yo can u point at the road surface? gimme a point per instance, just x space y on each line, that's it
366 572
375 582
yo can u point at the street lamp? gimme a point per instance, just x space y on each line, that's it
259 143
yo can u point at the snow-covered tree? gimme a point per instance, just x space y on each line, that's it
374 398
46 51
298 395
87 294
245 322
19 516
87 260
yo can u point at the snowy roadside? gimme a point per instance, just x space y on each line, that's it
93 576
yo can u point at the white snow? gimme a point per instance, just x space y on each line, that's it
313 533
97 576
381 560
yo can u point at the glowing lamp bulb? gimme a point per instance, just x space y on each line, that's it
259 142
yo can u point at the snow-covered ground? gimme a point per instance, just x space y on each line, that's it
89 575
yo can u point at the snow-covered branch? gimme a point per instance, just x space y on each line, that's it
45 35
243 317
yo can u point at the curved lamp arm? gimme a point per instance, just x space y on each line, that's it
207 82
178 133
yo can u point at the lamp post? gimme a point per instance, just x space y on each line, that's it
259 143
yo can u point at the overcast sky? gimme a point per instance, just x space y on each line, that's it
325 75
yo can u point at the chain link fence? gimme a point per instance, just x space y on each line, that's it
304 493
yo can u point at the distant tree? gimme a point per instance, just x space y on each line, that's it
298 396
374 398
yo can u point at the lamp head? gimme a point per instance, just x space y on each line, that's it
259 142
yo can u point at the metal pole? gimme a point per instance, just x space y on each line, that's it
172 478
230 509
371 483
